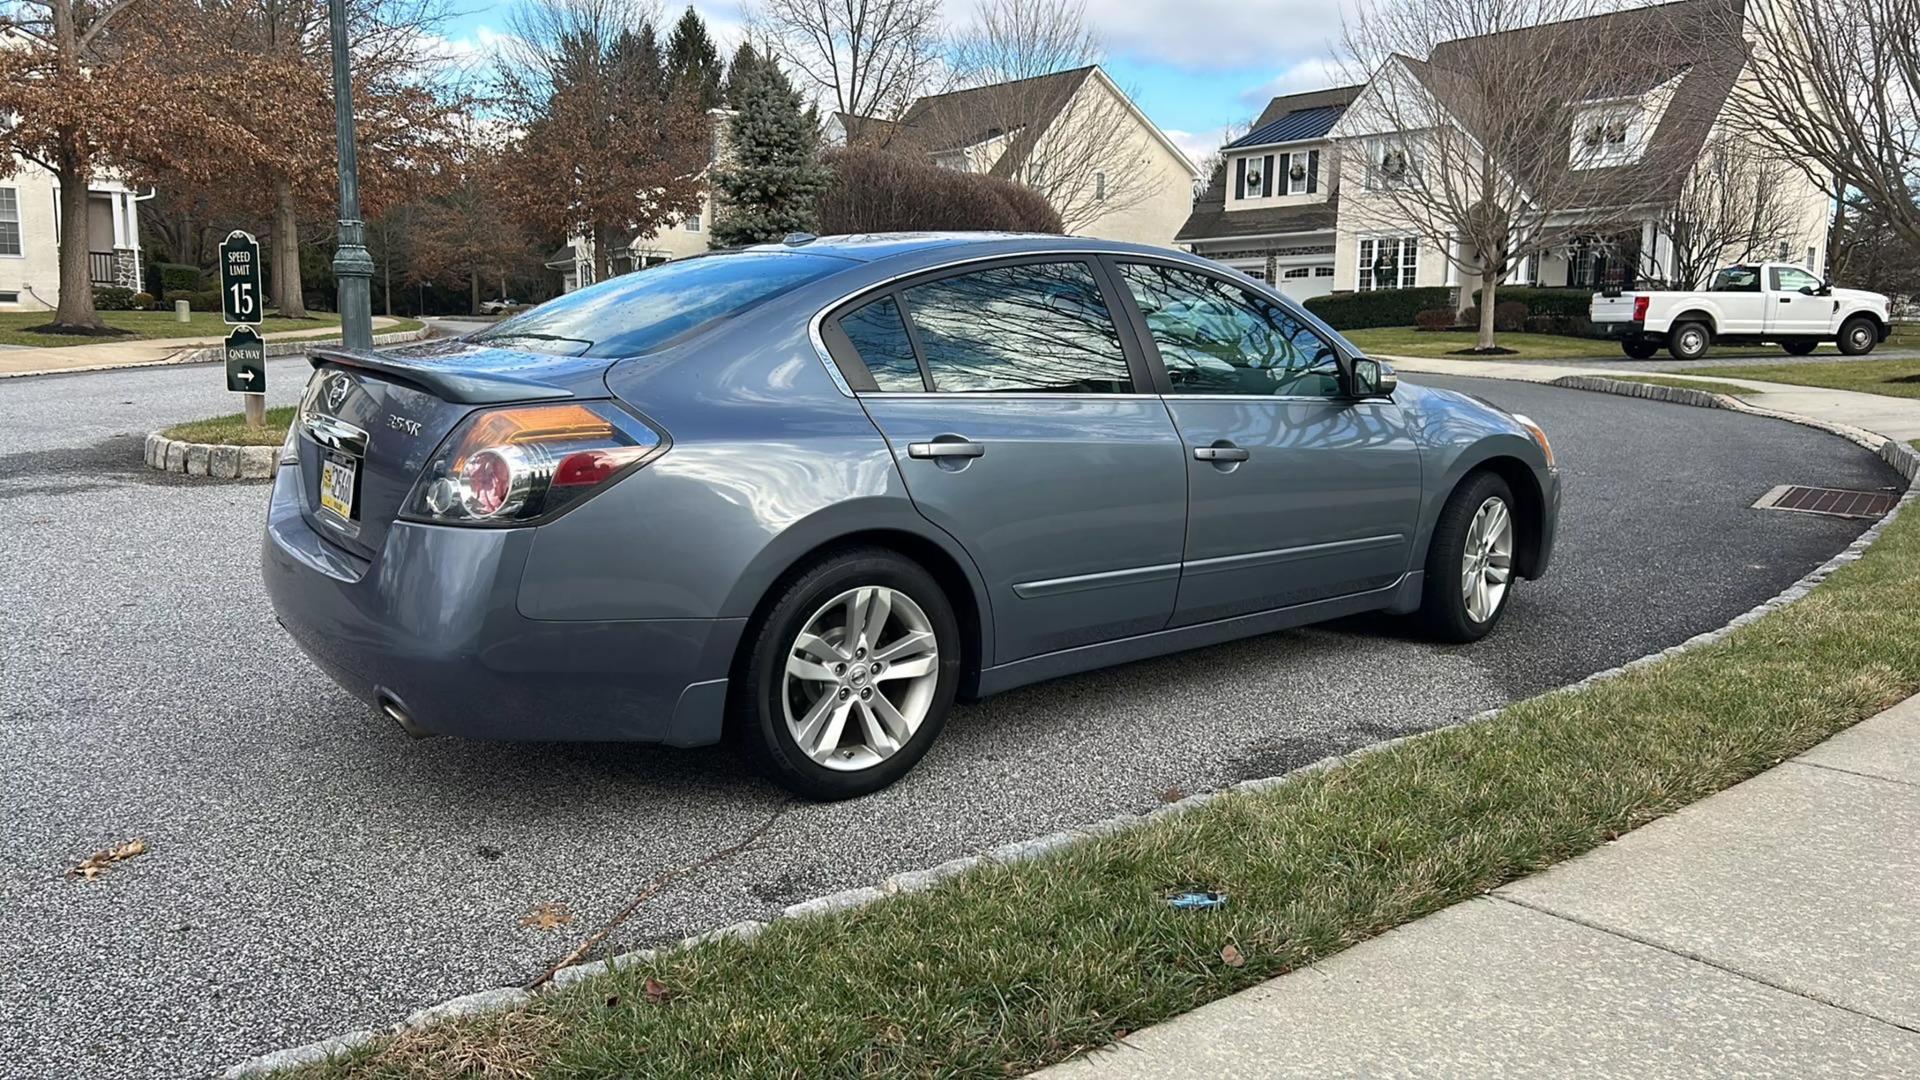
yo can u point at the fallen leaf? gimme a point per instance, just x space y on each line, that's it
1171 795
488 852
548 916
1230 956
657 990
97 863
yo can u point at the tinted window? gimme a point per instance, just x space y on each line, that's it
1042 327
880 337
635 313
1737 279
1217 338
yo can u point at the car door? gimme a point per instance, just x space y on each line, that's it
1296 492
1023 427
1792 313
1741 301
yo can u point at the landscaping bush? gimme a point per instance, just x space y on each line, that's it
143 301
1562 325
178 277
1470 315
1387 307
205 300
1572 303
875 190
112 298
1434 319
1510 316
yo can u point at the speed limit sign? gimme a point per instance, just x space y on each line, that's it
240 293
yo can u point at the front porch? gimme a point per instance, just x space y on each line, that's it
1627 258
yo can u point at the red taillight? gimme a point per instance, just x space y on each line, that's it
523 463
1640 308
590 467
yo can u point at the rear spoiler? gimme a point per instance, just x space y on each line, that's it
464 387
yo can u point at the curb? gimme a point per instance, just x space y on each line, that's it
214 461
1902 458
214 353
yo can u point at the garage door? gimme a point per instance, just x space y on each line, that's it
1302 282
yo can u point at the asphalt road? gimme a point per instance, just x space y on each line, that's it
310 870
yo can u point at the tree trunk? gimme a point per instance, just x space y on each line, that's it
473 290
75 309
386 280
286 254
1488 279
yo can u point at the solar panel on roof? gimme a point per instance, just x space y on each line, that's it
1294 126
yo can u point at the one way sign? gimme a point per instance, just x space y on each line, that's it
246 362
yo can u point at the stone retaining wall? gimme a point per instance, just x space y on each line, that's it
210 459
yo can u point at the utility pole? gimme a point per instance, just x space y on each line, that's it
352 266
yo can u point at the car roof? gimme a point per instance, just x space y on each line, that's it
879 247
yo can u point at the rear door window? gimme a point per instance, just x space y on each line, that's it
1025 328
879 334
639 312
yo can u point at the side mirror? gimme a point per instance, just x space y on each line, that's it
1373 379
1808 290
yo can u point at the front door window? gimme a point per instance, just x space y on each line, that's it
1216 338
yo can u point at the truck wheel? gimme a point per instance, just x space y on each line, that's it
1800 346
1858 336
1640 348
1689 341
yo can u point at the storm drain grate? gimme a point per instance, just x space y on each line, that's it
1833 502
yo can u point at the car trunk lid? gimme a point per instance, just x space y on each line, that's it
370 422
1606 308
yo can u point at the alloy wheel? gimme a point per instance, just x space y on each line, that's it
860 678
1487 564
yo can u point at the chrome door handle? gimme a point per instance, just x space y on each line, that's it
957 449
1220 453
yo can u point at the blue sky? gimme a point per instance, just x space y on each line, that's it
1194 66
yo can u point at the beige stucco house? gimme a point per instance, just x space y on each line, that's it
1634 149
30 237
1073 136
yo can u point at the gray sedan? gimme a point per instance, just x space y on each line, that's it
809 494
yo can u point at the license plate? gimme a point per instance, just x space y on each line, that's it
337 478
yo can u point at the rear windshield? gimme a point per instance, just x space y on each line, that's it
639 312
1737 279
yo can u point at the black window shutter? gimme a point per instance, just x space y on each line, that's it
1313 171
1239 178
1286 170
1266 177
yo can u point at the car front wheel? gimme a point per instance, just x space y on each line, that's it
1858 336
1469 575
849 675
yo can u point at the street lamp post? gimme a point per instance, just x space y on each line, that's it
352 266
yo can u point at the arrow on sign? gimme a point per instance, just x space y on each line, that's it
246 376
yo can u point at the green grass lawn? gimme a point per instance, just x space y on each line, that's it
159 325
1406 341
233 430
1891 378
1010 967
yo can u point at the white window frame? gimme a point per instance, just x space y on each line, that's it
692 223
1299 187
19 227
1099 185
1406 262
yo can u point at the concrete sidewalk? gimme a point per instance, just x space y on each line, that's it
1897 418
1770 930
143 352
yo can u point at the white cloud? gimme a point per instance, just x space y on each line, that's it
1313 73
1212 34
1199 145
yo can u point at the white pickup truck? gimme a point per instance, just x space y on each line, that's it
1776 303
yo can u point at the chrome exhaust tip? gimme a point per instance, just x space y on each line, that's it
390 707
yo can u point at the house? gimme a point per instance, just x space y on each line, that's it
30 237
675 239
1074 136
1272 208
1637 144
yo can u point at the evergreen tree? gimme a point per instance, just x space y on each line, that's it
692 58
741 73
771 173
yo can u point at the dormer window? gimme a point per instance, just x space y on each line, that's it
1254 176
1608 136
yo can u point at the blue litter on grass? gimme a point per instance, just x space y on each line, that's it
1197 901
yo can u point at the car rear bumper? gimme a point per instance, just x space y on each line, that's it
1623 329
430 626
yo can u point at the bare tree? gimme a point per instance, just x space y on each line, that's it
1466 137
1835 89
867 58
1729 209
1075 140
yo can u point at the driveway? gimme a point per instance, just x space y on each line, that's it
310 870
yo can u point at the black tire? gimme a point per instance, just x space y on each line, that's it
1443 607
1858 336
1801 346
1689 340
1640 348
756 715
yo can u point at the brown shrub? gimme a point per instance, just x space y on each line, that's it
875 190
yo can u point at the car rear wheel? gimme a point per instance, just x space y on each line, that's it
1689 341
849 675
1640 348
1858 336
1469 575
1800 346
